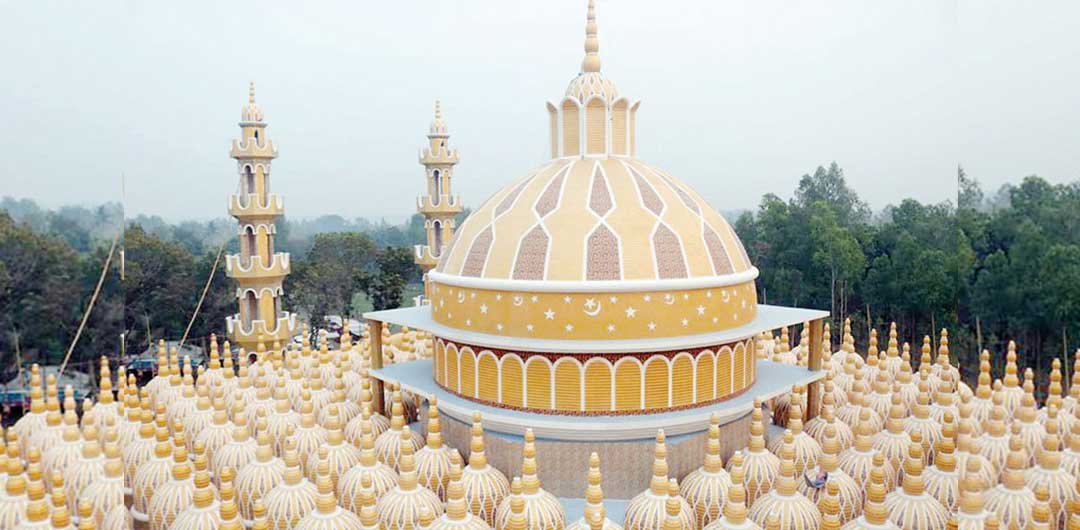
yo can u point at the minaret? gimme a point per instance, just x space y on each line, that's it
439 205
257 269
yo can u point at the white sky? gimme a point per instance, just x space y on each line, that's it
740 98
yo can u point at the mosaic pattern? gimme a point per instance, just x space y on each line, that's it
592 316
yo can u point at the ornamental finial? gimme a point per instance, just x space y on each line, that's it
591 63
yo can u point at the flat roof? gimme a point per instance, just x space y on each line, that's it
773 379
768 317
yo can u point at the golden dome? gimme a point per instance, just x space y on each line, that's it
457 516
309 435
542 510
204 511
942 479
859 460
706 487
817 425
893 441
13 502
37 507
399 508
807 450
921 422
485 486
53 432
1012 391
911 507
107 492
259 476
1011 499
118 518
734 515
294 498
368 474
89 468
1042 515
340 456
282 420
793 509
152 473
875 515
648 509
595 515
389 445
1025 421
994 445
848 494
219 432
239 450
141 448
433 460
327 515
1048 473
58 457
761 466
174 495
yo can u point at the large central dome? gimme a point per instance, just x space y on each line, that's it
595 220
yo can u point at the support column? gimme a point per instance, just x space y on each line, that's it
813 391
375 328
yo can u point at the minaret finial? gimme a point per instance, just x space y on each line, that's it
438 111
251 92
591 63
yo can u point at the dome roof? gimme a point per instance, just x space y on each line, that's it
589 220
588 84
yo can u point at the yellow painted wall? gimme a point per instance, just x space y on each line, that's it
682 381
567 385
468 372
571 133
628 385
706 382
597 386
452 372
488 370
511 381
723 372
538 373
440 363
656 383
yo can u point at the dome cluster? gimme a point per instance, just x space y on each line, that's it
290 440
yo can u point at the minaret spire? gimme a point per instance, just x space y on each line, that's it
251 92
591 63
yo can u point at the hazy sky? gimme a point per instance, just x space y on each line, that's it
740 98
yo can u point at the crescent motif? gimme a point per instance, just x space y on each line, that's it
461 297
725 296
599 307
669 299
518 300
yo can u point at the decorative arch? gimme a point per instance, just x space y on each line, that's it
739 371
724 367
538 382
468 371
487 370
618 127
682 372
553 117
510 375
440 362
571 124
657 382
628 384
595 126
567 384
453 373
597 385
705 380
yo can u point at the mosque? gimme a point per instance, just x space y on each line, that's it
589 353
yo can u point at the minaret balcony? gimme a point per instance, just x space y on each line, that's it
441 156
441 205
281 330
256 269
253 149
252 206
424 258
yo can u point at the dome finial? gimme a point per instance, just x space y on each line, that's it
591 63
251 92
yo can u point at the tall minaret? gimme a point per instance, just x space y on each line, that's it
439 205
257 269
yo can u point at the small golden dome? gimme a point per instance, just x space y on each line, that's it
327 515
859 460
140 449
107 492
972 513
706 487
1048 473
351 485
734 516
921 422
967 451
793 509
259 476
399 508
875 515
1012 500
542 510
152 473
1012 391
118 518
849 494
174 495
89 468
341 456
594 502
590 82
485 486
239 450
1042 517
942 479
309 435
220 431
204 511
1025 421
816 426
880 397
911 507
433 459
852 410
33 421
829 506
807 450
294 498
58 457
761 466
648 509
994 444
1055 397
379 423
13 502
388 446
282 420
457 516
893 441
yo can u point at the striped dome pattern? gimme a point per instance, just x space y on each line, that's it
594 220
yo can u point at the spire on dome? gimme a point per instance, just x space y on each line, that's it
591 62
438 127
251 92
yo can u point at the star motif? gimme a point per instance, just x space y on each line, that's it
648 298
685 322
686 296
472 295
498 297
566 299
442 302
590 303
744 304
449 316
499 327
652 326
630 312
701 310
734 316
468 321
549 314
483 309
708 294
533 298
529 327
614 299
611 328
569 328
715 320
